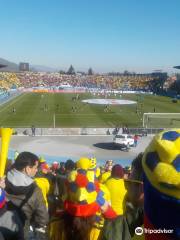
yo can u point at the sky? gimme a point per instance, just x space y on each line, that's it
106 35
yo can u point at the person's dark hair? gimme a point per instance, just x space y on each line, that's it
25 159
70 165
78 228
137 162
137 169
62 164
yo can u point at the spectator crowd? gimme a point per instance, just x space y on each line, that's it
43 79
83 201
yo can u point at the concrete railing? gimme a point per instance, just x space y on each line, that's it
84 131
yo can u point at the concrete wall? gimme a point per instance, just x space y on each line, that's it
63 131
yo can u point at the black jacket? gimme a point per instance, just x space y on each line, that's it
10 225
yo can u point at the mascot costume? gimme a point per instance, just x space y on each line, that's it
161 164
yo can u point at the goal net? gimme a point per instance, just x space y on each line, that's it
162 120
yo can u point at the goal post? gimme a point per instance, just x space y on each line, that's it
169 120
54 120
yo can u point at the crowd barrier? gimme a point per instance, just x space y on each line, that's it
85 131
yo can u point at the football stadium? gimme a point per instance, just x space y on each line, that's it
61 101
89 120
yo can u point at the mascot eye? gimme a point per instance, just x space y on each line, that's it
176 163
170 136
152 159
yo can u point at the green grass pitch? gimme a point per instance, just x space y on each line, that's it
39 109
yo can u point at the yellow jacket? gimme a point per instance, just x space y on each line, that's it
117 191
44 185
104 176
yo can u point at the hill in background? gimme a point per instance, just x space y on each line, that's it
40 68
11 67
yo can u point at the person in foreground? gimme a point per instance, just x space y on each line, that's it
85 203
10 224
117 228
161 164
24 196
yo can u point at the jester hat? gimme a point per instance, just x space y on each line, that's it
83 194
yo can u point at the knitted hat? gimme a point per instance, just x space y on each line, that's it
117 171
2 198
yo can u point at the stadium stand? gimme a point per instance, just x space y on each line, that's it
8 80
132 82
42 79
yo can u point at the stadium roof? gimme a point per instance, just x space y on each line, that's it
2 65
177 67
